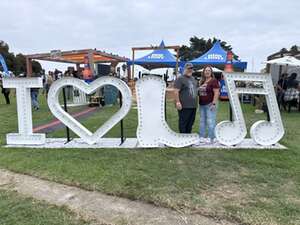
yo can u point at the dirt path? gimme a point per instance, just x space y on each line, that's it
101 208
57 124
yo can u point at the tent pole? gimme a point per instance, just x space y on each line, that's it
132 71
28 66
121 122
176 68
66 110
91 61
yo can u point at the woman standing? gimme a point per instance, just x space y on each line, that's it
48 82
209 91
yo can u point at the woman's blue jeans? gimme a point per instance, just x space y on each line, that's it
207 120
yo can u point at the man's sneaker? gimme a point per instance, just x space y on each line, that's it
202 140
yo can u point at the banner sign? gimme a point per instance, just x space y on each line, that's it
4 66
223 90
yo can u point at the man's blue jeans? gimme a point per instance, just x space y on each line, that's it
34 99
207 120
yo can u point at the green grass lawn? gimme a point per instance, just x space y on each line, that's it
245 186
18 210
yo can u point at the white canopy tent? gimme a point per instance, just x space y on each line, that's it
215 70
284 61
288 64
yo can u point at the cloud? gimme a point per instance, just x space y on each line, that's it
255 29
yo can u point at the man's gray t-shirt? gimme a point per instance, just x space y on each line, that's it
187 86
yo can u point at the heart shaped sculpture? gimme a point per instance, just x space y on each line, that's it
73 124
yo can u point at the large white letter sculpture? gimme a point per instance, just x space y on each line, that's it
152 128
262 132
73 124
25 135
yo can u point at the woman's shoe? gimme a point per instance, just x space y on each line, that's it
213 141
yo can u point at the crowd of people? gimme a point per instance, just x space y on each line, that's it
48 79
52 76
288 91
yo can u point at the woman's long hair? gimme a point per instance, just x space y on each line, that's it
203 76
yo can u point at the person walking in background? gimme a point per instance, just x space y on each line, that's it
48 82
56 74
69 89
43 75
292 81
34 92
186 99
281 88
291 95
5 92
209 91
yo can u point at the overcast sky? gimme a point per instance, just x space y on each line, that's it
255 29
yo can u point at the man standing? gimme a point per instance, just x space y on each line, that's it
186 99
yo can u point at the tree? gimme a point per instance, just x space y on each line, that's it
17 64
36 67
20 63
199 46
283 50
294 50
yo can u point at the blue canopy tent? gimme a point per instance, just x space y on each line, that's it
4 66
158 58
217 56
